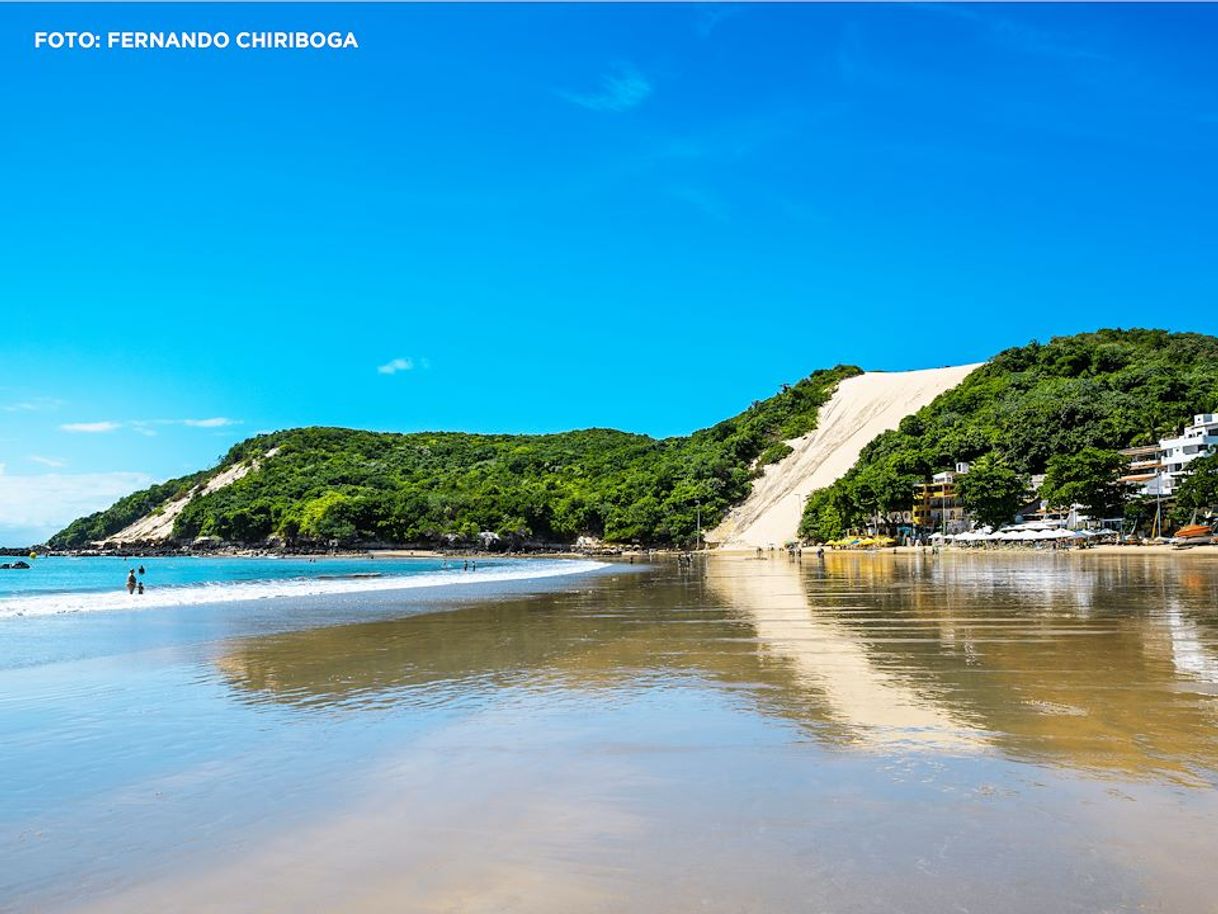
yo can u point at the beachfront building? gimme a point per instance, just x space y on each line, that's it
1156 470
1145 474
1176 454
937 507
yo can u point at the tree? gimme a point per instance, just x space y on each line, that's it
1087 477
992 491
1140 513
1198 491
1109 389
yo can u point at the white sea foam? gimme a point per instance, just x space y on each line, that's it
46 604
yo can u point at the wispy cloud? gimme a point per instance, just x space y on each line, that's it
710 19
53 462
730 140
36 505
706 202
1012 33
32 405
91 428
147 426
396 365
620 89
213 422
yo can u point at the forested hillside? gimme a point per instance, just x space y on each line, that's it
327 484
1104 390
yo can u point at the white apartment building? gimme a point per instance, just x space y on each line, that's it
1176 454
1158 471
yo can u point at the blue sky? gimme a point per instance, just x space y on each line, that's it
534 218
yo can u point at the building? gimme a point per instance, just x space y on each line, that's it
1176 454
1145 471
936 504
1156 470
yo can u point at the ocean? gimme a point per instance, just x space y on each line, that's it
59 584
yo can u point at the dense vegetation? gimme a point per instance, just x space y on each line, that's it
1198 493
325 484
127 510
1104 390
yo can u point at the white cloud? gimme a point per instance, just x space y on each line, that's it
37 404
32 507
214 422
395 366
621 89
52 462
91 427
145 426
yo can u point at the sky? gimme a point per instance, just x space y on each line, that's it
503 218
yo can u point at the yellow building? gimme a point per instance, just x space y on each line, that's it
937 501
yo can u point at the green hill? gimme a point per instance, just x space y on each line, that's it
1109 389
327 484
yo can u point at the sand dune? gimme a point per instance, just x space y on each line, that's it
861 408
158 526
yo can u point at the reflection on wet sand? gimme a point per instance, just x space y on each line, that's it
867 733
1103 665
832 663
1069 660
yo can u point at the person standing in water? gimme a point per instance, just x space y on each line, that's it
131 581
140 588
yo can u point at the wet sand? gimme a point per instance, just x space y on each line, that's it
867 733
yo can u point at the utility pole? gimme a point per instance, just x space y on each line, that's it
699 526
1158 531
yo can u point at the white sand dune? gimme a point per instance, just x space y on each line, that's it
861 408
158 526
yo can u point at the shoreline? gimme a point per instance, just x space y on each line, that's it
611 554
1099 549
277 589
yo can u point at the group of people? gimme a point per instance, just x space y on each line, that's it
134 585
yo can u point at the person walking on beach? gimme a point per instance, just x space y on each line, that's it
131 581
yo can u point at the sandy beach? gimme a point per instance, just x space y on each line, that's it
868 731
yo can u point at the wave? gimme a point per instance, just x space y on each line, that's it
47 604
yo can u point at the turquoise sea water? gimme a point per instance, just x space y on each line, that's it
59 584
